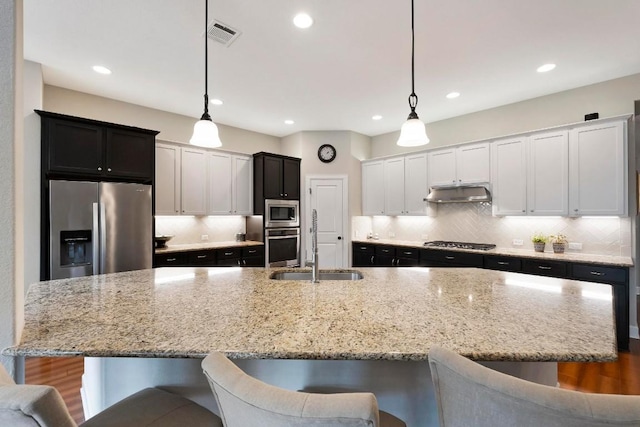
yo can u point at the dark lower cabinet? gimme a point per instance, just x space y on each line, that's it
363 255
229 257
178 259
253 256
204 258
385 256
502 263
545 268
407 257
443 258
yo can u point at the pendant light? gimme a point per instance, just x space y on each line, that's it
205 132
413 133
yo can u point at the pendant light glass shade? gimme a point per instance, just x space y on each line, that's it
205 132
413 132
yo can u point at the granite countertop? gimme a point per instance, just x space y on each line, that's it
618 261
208 245
391 314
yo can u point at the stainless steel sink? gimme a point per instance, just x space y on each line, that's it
323 275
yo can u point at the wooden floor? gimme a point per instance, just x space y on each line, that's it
621 377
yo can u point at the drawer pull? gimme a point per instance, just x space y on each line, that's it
364 248
503 263
253 251
170 259
202 256
449 257
597 273
408 253
544 267
228 253
386 251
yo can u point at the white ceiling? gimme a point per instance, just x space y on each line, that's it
354 61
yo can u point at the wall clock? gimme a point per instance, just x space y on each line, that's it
327 153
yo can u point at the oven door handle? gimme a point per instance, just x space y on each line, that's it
291 236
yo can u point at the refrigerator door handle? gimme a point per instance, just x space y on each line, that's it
103 238
95 245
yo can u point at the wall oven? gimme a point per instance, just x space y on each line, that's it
282 247
281 213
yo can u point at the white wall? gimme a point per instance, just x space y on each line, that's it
610 98
11 152
172 127
33 87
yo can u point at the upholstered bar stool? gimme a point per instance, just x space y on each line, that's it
42 406
245 401
469 394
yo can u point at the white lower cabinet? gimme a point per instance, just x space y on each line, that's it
509 177
598 169
167 180
194 178
548 174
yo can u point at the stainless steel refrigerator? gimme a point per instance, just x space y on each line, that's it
99 227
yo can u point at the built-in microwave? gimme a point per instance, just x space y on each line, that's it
281 213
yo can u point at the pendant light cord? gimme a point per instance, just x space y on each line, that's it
205 115
413 98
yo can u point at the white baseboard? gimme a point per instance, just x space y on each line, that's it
633 332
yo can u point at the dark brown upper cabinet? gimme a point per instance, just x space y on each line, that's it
78 148
274 177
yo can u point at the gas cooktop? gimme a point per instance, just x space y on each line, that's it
460 245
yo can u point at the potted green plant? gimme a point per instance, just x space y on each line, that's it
559 242
539 241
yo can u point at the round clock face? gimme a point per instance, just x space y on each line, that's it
326 153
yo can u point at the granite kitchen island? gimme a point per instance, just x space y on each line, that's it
146 328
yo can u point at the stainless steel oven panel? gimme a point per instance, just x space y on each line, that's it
281 213
282 247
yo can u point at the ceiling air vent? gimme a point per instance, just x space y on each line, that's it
222 33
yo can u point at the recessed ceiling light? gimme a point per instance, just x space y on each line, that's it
546 67
100 69
452 95
302 20
216 101
376 117
288 122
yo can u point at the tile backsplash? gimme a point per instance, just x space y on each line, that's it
473 222
190 229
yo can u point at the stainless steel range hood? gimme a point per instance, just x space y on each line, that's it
459 194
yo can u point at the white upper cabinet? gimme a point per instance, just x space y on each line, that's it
598 169
467 164
394 186
167 181
242 185
194 178
230 184
415 184
373 188
509 176
442 167
473 163
548 173
220 188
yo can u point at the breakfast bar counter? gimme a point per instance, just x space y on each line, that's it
391 314
151 328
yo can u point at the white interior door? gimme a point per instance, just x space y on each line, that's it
328 197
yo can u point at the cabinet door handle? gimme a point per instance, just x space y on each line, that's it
544 267
239 263
393 262
202 256
449 257
244 262
597 273
170 259
575 210
228 253
285 195
372 259
108 169
503 263
99 168
281 194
